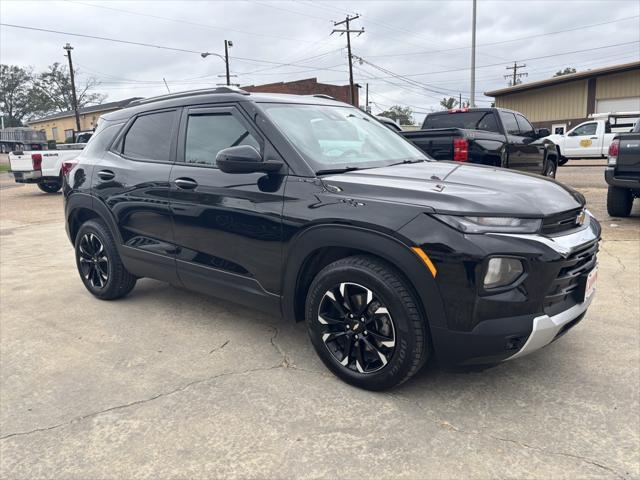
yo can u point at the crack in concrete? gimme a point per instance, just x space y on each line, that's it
138 402
621 288
451 427
286 361
220 347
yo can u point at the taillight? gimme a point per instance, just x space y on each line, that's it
36 161
68 166
460 149
614 148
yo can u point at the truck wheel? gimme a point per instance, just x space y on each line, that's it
50 187
551 169
99 263
619 201
364 323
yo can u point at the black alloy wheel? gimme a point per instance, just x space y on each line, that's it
357 327
94 263
365 322
99 263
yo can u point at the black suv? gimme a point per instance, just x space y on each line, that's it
312 209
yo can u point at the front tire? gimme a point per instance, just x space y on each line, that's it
99 263
50 187
619 201
364 322
551 169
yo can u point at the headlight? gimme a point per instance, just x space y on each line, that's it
502 271
491 224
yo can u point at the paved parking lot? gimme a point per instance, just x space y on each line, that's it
168 383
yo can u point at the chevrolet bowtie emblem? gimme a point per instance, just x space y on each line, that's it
581 218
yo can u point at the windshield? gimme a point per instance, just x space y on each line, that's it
336 137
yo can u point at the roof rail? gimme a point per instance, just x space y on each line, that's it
189 93
323 95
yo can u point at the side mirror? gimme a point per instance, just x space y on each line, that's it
571 134
244 159
543 132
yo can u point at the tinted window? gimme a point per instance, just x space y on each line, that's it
149 138
510 123
208 134
472 120
586 129
525 127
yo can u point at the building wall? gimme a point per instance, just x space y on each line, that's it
308 86
87 122
558 102
620 85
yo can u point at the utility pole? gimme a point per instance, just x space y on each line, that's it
460 100
515 76
366 104
227 44
348 31
74 99
472 97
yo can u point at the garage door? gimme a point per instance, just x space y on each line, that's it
629 104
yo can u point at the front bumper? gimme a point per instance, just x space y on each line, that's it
481 327
33 176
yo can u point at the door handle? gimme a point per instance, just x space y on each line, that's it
185 183
106 175
593 138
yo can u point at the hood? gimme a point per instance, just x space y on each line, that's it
450 187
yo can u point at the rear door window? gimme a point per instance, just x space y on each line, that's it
150 137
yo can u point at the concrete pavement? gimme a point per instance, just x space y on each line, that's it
168 383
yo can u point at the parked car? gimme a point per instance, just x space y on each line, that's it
487 136
390 123
310 208
623 172
43 168
591 139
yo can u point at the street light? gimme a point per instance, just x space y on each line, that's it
227 44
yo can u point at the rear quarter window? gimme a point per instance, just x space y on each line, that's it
150 137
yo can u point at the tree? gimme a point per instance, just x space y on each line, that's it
402 115
53 90
448 103
16 95
566 71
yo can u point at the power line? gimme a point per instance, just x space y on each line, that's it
500 42
531 58
188 22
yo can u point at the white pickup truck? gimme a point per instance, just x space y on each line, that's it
43 167
591 139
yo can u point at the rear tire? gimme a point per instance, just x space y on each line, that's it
50 187
364 322
619 201
551 169
99 263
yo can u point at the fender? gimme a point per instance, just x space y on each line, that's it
79 200
389 248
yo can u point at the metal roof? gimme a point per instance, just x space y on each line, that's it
597 72
93 108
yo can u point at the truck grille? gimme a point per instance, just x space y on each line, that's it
568 287
561 222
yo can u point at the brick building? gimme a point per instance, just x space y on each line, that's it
307 86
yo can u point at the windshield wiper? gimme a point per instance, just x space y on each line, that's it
337 170
418 160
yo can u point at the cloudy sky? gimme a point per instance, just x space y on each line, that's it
413 52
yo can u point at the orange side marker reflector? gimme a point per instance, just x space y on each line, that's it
426 260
